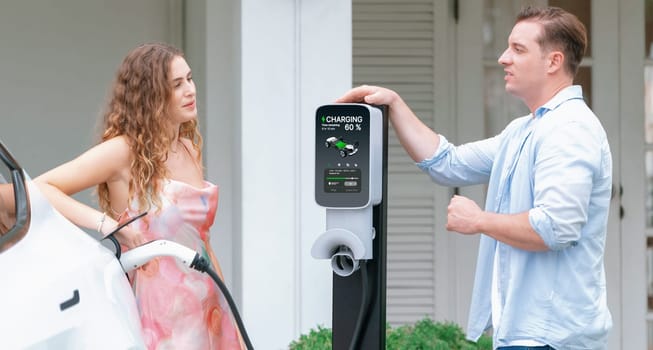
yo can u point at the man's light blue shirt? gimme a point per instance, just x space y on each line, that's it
556 165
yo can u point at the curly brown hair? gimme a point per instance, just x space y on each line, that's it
138 110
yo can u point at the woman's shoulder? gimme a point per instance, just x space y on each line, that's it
117 147
115 152
119 143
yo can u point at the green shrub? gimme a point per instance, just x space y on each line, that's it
319 339
423 335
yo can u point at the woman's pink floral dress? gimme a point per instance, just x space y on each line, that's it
182 308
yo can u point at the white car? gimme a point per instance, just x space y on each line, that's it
61 288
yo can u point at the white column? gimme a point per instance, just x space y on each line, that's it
326 73
296 55
268 65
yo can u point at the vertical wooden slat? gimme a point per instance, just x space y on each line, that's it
393 47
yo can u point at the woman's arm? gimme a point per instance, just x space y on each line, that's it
7 204
7 207
106 162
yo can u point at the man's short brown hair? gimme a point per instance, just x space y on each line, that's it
561 30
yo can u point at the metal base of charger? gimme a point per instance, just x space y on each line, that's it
347 291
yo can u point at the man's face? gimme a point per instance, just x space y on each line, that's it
524 61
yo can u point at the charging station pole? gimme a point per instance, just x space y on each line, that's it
347 292
351 183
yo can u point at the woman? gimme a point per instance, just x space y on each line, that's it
149 159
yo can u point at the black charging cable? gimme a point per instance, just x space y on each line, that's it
200 264
366 302
111 236
203 265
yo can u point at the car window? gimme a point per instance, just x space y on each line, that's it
14 201
7 220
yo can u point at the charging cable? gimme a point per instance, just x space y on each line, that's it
111 237
363 314
203 265
137 257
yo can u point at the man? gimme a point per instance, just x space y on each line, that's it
540 280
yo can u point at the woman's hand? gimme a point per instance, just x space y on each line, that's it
129 238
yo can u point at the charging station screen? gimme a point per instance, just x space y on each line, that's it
342 137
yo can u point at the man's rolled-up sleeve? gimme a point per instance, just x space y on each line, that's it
563 180
462 165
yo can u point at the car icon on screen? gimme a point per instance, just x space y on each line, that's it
344 148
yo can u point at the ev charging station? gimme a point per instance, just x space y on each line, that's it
351 183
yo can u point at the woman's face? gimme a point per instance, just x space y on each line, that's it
182 103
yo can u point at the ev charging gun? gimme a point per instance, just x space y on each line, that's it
348 183
138 256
